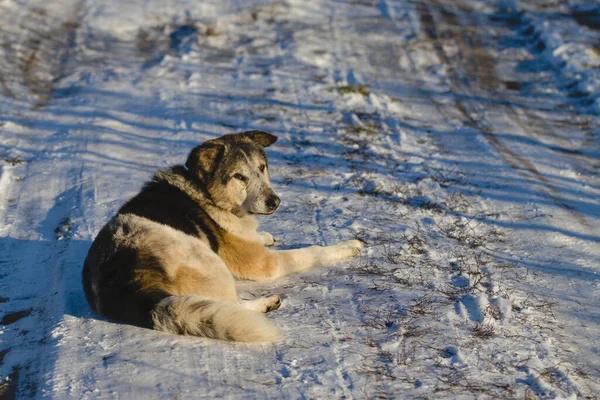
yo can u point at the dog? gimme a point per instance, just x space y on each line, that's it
167 260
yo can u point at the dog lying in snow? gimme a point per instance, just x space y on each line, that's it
169 257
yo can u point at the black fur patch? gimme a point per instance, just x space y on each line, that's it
164 203
118 292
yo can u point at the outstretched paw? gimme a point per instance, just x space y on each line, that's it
355 246
266 238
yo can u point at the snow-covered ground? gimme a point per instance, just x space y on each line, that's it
458 139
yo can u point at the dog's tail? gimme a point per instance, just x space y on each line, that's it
202 316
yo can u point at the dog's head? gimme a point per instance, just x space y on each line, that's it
235 172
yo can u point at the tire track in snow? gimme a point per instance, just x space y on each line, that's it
320 204
450 26
38 60
37 260
521 33
473 113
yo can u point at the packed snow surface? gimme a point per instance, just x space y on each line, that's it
459 139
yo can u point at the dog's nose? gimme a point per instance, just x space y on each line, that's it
272 203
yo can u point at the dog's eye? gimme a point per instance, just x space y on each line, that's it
262 168
240 177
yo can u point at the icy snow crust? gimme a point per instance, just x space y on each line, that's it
458 139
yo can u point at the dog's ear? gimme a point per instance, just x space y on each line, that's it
203 158
262 138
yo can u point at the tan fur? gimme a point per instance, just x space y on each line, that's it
246 259
250 260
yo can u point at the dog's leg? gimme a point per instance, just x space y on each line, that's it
291 261
250 260
266 238
262 304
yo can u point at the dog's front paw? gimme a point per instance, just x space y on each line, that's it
351 248
266 238
273 303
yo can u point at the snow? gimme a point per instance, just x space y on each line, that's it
458 139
